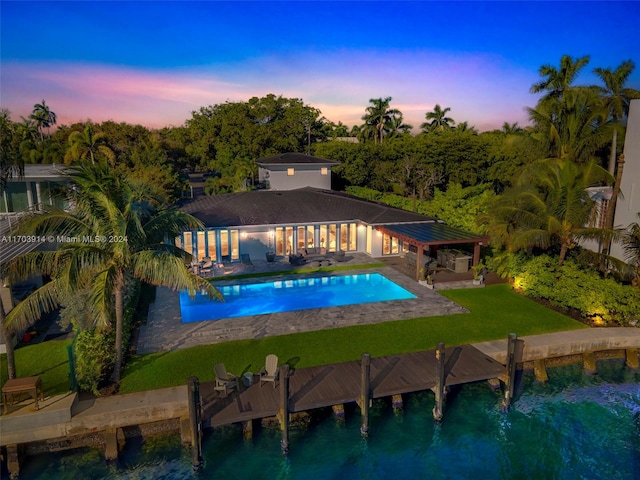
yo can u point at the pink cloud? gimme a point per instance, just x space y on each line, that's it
480 89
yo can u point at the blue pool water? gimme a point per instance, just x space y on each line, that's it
289 295
575 426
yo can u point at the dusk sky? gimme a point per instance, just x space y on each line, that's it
153 63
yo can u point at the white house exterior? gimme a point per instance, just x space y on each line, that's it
628 203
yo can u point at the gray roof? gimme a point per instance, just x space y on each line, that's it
295 159
433 233
291 207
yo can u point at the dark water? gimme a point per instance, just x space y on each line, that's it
573 427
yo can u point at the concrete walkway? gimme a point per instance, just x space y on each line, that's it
164 330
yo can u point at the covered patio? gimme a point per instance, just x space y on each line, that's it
430 236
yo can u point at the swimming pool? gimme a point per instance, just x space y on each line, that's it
288 295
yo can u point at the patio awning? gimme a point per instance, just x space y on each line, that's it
424 235
430 233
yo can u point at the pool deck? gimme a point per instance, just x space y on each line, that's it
164 330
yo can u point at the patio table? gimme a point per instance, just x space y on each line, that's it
15 386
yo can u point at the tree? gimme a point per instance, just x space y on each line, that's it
511 128
120 237
87 145
464 127
631 246
438 120
548 207
617 98
574 128
43 116
557 80
11 164
378 118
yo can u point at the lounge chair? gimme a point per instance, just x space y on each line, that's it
269 372
246 261
224 380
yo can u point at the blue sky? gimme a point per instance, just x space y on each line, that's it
154 62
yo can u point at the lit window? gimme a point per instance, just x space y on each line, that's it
324 171
291 171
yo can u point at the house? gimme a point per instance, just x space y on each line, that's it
285 222
628 203
289 171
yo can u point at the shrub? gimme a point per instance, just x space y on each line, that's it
94 357
573 286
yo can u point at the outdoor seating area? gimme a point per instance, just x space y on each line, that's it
226 381
269 373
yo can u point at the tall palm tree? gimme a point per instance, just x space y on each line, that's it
549 206
121 237
557 80
397 126
43 116
379 117
87 145
617 98
572 129
438 120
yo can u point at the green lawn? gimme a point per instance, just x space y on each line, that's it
495 312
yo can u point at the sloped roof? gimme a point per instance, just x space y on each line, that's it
295 159
433 233
304 205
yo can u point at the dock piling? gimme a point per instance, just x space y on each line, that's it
511 371
439 388
195 419
283 411
365 389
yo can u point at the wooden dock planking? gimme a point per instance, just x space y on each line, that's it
329 385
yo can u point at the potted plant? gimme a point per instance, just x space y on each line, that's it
271 256
479 271
425 273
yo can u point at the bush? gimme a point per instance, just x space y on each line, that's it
95 351
573 286
94 357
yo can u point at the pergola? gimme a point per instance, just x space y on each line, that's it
431 235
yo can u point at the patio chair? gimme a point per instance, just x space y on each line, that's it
224 380
269 373
246 261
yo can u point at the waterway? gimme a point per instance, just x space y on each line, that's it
575 426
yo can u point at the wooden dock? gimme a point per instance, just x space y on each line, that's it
328 385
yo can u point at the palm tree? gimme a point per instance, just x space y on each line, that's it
122 238
511 128
573 129
617 98
547 207
557 80
464 127
379 117
631 246
43 116
87 145
439 120
397 126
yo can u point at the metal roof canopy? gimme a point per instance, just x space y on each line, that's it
428 234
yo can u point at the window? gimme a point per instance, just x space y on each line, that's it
301 243
369 239
211 245
291 172
187 240
201 246
353 237
344 232
324 171
311 241
389 245
323 236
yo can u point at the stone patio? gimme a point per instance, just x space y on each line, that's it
165 331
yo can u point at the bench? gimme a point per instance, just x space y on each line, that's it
16 386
